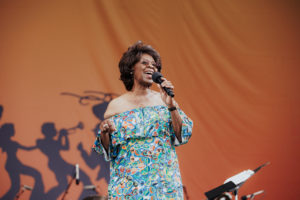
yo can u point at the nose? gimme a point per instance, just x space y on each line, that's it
151 65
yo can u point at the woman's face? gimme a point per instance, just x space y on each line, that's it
143 70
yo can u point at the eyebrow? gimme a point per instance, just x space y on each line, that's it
148 60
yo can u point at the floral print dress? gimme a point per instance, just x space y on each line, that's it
143 161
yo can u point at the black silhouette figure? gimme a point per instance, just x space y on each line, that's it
15 168
93 159
51 148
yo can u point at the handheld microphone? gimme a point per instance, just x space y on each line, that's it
245 197
77 174
26 187
156 77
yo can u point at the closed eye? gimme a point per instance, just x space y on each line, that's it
146 63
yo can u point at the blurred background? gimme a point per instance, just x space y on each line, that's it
234 64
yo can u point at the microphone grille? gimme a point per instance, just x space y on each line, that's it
156 77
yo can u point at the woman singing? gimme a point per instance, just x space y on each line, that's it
140 132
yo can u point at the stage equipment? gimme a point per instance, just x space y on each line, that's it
218 191
233 183
224 196
76 175
95 198
251 196
90 187
22 190
185 192
95 189
242 177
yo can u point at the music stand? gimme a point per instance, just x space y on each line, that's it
233 183
76 173
218 191
240 178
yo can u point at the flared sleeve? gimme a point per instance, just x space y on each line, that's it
186 129
99 148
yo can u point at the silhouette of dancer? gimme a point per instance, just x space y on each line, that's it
14 167
51 148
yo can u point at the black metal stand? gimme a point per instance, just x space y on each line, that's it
68 187
21 191
214 193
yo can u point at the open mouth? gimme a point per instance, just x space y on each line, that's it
148 73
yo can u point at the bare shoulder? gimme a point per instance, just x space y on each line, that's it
115 106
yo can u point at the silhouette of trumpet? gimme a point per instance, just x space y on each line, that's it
78 126
72 129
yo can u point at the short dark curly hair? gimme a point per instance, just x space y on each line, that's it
131 57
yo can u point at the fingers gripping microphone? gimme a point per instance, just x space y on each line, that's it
77 174
156 77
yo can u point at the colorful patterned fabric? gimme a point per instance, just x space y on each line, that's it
144 163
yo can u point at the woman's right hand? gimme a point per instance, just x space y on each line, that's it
106 127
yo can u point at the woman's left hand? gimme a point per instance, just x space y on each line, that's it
169 101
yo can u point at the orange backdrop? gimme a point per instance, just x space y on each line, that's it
234 64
